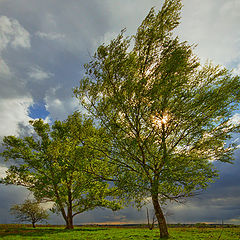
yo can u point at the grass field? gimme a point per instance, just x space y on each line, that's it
14 232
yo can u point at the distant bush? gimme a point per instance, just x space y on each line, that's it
201 225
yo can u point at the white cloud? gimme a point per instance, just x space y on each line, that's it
236 71
106 38
12 33
213 25
39 74
235 119
13 112
50 36
4 69
230 6
60 107
3 171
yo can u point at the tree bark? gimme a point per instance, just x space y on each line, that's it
69 222
69 219
160 217
33 224
69 209
59 202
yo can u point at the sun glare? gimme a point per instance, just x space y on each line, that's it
160 121
164 119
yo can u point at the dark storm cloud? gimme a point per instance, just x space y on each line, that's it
219 202
9 196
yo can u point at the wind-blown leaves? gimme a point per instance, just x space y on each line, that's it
168 117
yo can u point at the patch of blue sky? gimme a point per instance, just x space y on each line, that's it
38 110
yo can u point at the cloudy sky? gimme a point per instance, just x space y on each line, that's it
43 46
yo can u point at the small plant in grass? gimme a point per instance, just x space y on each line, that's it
29 211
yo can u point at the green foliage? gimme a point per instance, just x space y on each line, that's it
55 163
168 116
29 211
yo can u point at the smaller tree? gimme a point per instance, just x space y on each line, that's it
58 164
29 211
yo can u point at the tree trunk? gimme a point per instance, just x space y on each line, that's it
69 219
59 203
33 224
69 209
160 217
69 222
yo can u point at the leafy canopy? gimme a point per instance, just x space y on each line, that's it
54 164
169 117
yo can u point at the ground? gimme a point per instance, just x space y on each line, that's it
16 232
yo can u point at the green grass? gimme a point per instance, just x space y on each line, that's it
13 232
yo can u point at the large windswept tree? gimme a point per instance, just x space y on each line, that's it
54 164
168 116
